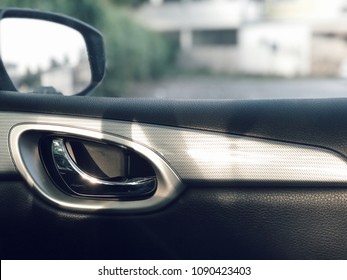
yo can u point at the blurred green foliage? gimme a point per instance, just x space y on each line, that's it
133 52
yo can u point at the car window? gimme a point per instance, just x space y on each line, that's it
225 49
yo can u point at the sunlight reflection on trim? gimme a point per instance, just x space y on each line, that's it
197 154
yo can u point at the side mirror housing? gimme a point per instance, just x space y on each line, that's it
44 52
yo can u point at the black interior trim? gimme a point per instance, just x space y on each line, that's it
317 122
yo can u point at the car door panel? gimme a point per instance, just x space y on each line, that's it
204 223
212 217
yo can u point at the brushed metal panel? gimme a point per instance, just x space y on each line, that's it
196 154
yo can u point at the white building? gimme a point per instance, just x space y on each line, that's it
327 25
275 49
262 37
306 10
206 31
68 79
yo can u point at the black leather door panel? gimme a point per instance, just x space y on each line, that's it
204 223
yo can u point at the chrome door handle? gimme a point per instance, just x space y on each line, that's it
84 184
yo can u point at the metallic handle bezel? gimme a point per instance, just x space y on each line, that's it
24 141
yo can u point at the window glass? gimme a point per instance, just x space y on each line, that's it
233 49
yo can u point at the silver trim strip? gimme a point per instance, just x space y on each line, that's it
203 155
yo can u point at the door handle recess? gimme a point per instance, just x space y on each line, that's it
83 184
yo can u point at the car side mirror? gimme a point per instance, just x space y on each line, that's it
46 52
